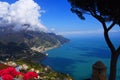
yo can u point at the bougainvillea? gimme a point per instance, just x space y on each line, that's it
7 77
10 73
30 75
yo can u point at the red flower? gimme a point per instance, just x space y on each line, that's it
30 75
3 72
7 77
10 71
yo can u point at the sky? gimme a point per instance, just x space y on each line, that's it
56 17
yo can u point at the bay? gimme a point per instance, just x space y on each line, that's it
77 57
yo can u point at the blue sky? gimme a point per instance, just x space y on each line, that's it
59 19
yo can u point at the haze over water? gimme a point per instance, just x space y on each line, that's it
77 57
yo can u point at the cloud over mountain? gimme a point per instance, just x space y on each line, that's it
23 14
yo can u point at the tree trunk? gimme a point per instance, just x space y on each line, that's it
113 66
114 54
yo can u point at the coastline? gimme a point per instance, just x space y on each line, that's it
39 54
43 49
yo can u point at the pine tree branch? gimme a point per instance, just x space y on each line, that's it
111 26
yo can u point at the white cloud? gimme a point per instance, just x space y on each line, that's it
52 29
20 13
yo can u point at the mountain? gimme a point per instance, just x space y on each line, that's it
24 43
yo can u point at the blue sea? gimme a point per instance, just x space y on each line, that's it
77 56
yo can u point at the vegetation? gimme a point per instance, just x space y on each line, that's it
104 11
13 51
46 73
20 44
27 69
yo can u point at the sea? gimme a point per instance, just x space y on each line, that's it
76 57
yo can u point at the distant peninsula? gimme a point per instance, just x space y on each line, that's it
26 43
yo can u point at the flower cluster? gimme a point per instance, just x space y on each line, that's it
30 75
10 73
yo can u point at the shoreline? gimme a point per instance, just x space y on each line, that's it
43 49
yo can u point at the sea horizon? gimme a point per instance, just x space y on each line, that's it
77 56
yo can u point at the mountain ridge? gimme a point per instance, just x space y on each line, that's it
13 43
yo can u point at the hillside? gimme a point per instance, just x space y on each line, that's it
26 66
25 43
